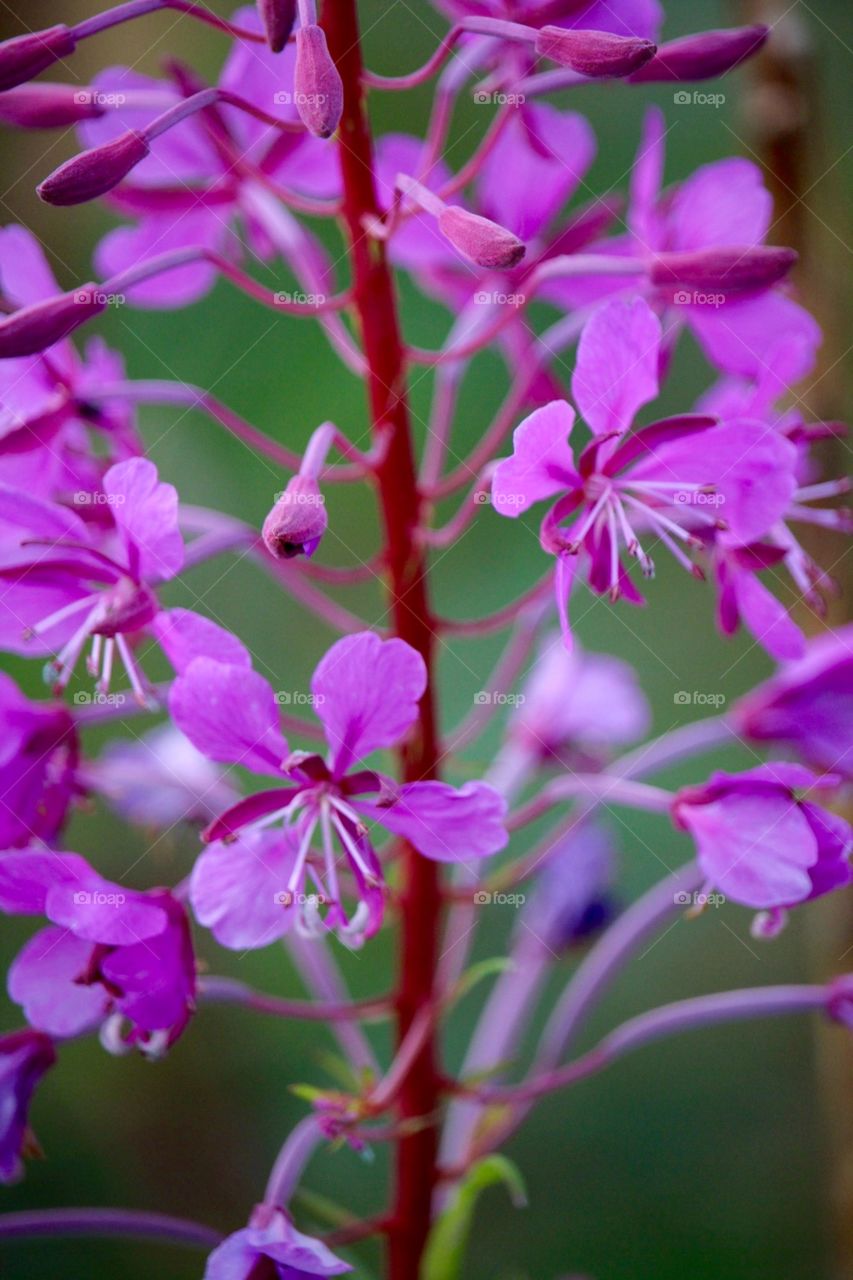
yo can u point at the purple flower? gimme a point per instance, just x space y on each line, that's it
39 755
665 481
762 839
109 954
46 409
160 780
365 691
807 705
67 580
576 706
204 178
24 1058
571 898
271 1248
722 208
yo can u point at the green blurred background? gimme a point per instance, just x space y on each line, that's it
707 1157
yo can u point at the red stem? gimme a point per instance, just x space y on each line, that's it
400 501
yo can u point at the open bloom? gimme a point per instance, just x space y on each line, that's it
271 1248
109 955
206 175
38 765
807 705
723 208
24 1058
665 482
67 580
49 406
365 691
763 839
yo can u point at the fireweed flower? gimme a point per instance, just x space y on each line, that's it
65 581
39 756
25 1056
365 691
808 705
111 958
271 1248
763 839
159 780
204 179
46 414
663 481
721 209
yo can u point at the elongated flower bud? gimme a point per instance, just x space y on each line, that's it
278 17
596 54
755 267
94 172
317 85
33 329
24 57
480 239
48 106
703 56
298 520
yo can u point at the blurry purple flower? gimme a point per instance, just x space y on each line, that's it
24 1058
271 1248
761 838
807 705
159 780
365 691
578 706
66 581
571 897
109 954
206 175
38 767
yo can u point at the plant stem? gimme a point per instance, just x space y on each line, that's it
400 500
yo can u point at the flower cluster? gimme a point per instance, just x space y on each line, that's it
327 842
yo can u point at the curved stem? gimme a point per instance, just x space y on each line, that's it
130 1223
229 991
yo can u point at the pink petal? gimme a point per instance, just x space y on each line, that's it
542 463
42 980
237 889
725 203
145 510
230 714
616 371
446 823
183 635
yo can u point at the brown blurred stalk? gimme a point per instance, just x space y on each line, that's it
783 115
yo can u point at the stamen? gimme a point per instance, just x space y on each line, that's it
59 616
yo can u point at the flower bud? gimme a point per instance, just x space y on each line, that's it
94 172
318 87
479 239
733 269
298 520
24 57
48 106
703 56
278 17
597 54
33 329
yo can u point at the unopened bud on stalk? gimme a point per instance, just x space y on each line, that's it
297 522
703 56
94 172
597 54
317 85
483 241
33 329
732 269
278 17
48 106
24 57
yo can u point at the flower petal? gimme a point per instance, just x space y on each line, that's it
542 463
616 371
366 692
42 980
184 634
230 714
237 889
446 823
145 510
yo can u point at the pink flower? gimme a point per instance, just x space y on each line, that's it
761 837
38 767
365 691
24 1058
271 1248
108 955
